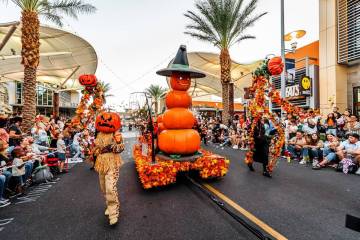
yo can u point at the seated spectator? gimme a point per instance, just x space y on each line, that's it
27 158
350 149
330 124
310 128
3 202
312 149
295 146
352 126
18 169
329 151
39 134
292 128
15 134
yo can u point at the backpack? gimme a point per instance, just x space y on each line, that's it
42 174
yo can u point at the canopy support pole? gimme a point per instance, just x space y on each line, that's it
9 34
71 74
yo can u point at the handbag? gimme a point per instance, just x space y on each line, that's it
352 168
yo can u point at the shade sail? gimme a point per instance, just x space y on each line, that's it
64 56
209 63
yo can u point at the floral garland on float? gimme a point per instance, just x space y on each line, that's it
162 173
178 142
261 87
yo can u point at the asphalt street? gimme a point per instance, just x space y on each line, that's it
298 202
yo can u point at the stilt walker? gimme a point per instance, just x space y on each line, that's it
108 146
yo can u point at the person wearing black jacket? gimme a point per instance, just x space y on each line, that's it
261 151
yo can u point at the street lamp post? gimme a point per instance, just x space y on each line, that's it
282 81
151 127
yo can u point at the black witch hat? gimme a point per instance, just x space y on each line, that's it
180 64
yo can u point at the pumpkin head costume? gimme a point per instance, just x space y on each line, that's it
108 146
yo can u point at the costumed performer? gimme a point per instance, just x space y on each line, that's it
108 146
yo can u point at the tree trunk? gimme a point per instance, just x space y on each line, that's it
156 108
225 64
56 104
231 100
30 40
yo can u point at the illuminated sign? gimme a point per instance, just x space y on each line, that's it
305 86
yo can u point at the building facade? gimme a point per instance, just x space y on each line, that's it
339 49
45 99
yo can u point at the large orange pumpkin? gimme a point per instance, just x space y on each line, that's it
108 122
178 118
180 82
275 66
178 99
88 80
184 141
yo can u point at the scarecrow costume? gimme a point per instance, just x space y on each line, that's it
108 147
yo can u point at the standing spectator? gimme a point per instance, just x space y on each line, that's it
61 151
15 134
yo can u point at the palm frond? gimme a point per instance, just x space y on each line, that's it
221 22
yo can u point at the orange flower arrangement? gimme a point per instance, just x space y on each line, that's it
258 108
163 173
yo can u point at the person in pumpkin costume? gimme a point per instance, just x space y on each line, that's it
108 146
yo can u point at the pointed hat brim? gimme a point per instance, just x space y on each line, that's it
167 72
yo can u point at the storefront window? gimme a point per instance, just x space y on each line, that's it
44 95
357 101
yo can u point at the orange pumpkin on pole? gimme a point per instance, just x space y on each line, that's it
88 80
275 66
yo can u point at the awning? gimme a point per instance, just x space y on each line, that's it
64 56
209 63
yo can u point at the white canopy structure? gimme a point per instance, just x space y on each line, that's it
64 56
209 63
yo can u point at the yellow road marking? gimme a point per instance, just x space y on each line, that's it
247 214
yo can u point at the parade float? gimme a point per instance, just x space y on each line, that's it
178 143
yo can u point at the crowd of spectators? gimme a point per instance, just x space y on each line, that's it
21 154
330 140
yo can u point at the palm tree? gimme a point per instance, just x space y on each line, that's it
156 92
106 88
30 39
223 23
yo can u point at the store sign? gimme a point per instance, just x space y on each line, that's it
292 91
305 86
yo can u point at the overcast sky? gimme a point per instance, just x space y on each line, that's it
134 38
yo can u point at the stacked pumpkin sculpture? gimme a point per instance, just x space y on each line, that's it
177 136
